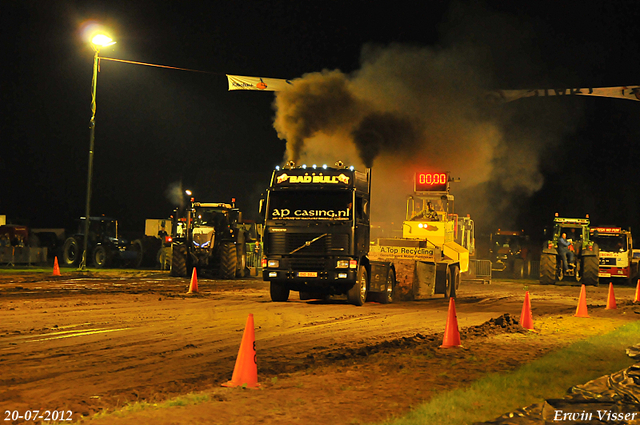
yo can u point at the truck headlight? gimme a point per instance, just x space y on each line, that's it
273 263
342 264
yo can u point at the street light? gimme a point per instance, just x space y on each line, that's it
97 42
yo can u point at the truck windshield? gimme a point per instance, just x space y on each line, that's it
616 243
310 205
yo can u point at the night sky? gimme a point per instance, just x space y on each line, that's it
157 129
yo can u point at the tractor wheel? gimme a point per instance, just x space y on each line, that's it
71 252
279 292
518 268
101 257
228 260
357 295
547 269
388 295
241 254
590 268
179 261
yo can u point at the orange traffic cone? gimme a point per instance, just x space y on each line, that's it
611 300
193 286
245 372
526 319
56 269
451 332
637 298
581 311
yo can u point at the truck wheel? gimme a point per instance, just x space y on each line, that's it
71 252
101 257
228 260
279 292
388 295
547 269
518 268
590 268
179 261
357 295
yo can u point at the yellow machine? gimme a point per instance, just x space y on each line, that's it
436 243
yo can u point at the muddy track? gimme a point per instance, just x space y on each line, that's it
92 342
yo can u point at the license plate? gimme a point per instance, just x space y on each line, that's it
601 274
307 274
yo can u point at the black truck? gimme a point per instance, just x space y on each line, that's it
316 235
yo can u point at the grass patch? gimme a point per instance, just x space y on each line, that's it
547 377
138 406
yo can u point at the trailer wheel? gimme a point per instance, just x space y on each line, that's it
228 260
71 252
547 269
279 292
101 257
590 269
179 261
138 247
357 295
388 295
452 281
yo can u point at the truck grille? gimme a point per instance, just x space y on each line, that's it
284 243
307 263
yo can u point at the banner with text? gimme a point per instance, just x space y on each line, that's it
238 82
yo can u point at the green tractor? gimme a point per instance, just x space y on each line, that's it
584 267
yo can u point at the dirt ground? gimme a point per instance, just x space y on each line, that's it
86 343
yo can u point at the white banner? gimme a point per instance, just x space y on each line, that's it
625 92
238 82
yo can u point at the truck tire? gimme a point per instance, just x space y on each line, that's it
101 257
179 261
590 268
279 292
71 252
357 295
388 295
228 260
518 268
547 269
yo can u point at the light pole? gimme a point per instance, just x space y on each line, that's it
98 41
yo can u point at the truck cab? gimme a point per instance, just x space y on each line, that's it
316 234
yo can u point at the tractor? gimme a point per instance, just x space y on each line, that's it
584 267
104 246
510 253
212 238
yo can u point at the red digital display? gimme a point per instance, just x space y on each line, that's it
431 182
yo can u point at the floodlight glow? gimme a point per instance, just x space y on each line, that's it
102 40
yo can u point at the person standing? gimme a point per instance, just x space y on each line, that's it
565 251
